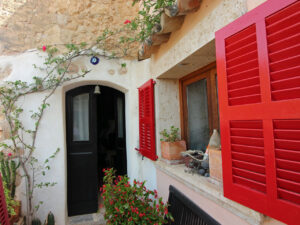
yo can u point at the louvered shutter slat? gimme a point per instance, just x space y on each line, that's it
258 62
147 120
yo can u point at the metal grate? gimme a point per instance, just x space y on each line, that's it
185 212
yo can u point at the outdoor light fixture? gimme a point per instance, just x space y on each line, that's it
97 90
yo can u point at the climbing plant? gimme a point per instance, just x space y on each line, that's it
148 16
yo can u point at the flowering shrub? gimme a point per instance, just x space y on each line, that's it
131 204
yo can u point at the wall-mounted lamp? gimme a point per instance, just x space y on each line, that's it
97 90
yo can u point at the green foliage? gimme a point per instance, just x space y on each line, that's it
171 136
8 170
10 202
149 15
131 204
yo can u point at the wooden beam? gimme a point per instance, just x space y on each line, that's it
157 39
145 51
182 7
168 24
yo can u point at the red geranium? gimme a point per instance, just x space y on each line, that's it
127 21
132 203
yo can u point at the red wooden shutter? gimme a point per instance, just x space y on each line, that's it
258 60
147 120
4 220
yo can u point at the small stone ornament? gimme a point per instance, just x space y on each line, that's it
94 60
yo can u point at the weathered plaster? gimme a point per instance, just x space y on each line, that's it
196 32
166 107
251 4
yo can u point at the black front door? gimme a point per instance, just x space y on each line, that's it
81 110
95 140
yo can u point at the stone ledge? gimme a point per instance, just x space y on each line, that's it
210 189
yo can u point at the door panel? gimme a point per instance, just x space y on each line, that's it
82 151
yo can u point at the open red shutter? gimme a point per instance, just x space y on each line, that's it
258 60
4 220
147 120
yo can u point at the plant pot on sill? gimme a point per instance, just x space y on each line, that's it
171 151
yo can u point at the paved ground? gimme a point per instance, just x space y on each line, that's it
89 219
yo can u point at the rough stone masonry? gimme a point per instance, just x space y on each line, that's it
27 24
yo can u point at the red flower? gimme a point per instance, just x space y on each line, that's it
9 154
166 211
44 48
127 21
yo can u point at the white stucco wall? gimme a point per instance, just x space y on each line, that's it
52 133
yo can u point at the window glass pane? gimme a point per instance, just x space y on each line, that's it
198 124
120 117
81 117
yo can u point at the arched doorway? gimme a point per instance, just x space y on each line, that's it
95 140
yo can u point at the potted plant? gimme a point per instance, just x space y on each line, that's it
171 145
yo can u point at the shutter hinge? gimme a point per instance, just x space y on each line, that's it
139 151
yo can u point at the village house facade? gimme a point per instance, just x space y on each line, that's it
182 83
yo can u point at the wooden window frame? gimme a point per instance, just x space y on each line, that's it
209 72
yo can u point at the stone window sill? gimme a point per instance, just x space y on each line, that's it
210 189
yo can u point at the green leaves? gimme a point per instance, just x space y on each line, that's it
149 15
127 203
171 136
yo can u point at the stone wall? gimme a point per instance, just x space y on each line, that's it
27 24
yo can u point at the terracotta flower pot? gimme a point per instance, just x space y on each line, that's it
172 150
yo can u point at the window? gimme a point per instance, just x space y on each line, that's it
81 117
199 107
